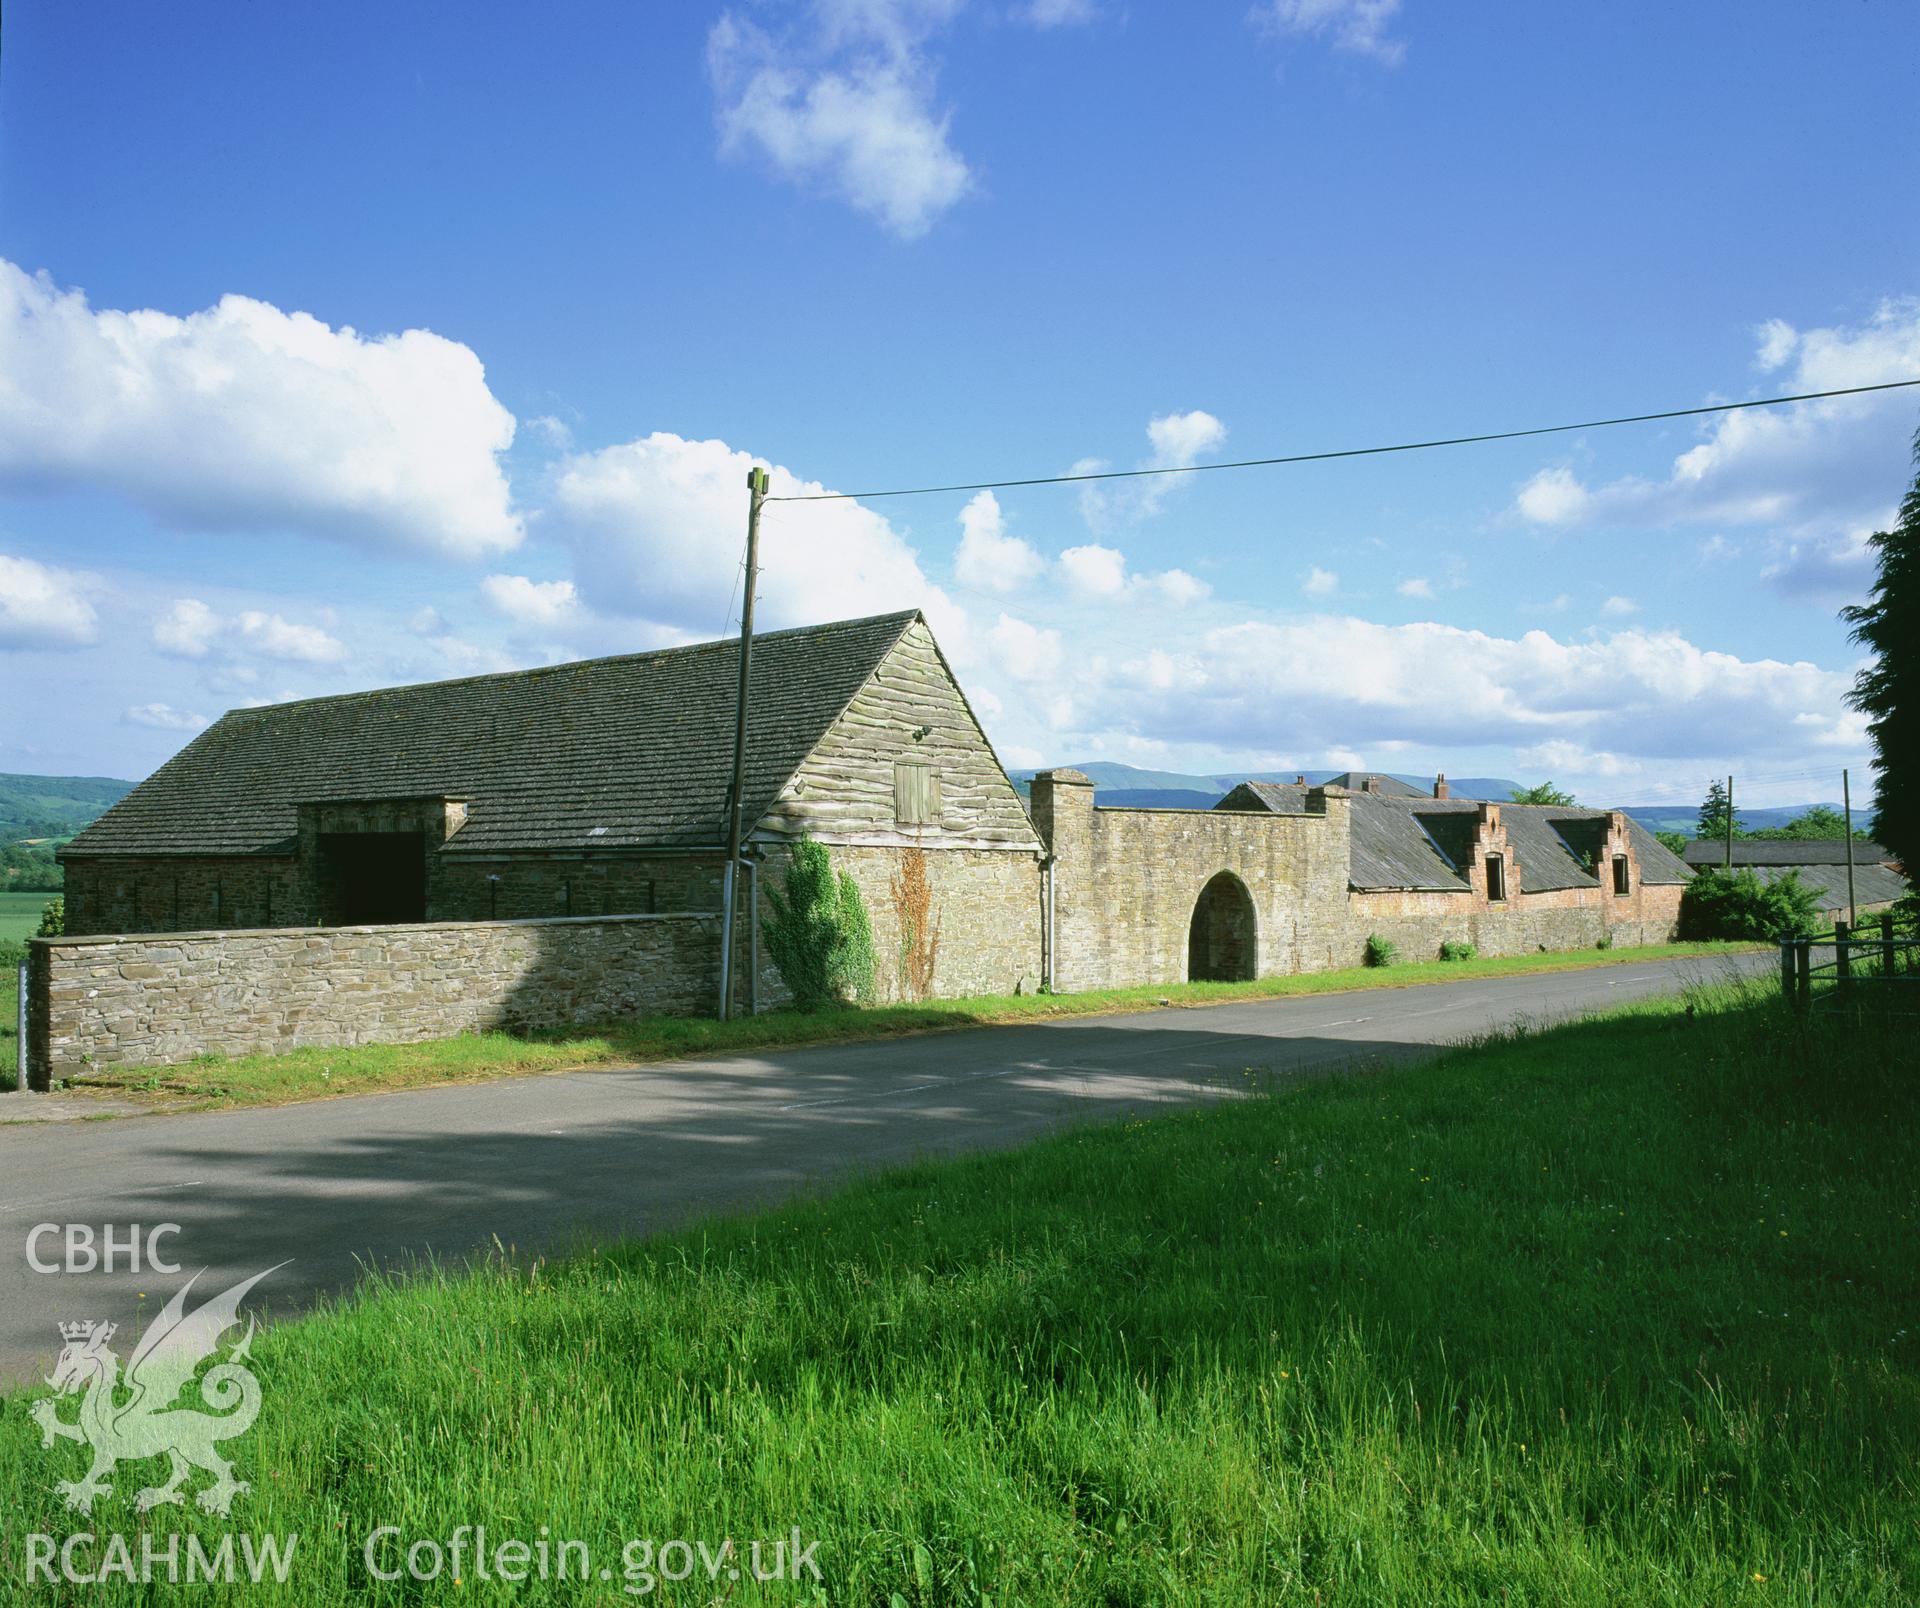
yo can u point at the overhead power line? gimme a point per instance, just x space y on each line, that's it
1344 452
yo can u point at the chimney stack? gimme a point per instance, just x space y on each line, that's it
1440 786
1300 781
1370 784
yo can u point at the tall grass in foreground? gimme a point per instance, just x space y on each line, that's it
1613 1312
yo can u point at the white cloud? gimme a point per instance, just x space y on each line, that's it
42 607
244 417
1178 440
1554 497
1826 570
273 636
164 717
192 630
1023 651
426 621
547 604
1100 573
988 557
1716 548
1558 758
1810 469
469 658
1331 679
1179 588
1777 340
1319 582
1094 571
1359 26
1183 439
844 103
187 630
658 530
1058 13
1617 606
1415 586
556 432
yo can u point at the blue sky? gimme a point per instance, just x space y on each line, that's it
346 346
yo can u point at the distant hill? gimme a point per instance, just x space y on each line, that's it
1114 783
54 806
37 815
1685 817
1131 785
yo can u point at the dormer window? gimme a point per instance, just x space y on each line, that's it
1622 877
1496 878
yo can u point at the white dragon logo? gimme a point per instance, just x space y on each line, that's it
149 1424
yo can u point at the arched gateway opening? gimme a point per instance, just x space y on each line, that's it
1223 938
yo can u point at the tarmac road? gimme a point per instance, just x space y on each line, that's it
538 1161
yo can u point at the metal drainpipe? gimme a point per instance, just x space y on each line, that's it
726 942
753 936
1049 937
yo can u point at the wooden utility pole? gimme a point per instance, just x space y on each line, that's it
1846 806
756 495
1727 864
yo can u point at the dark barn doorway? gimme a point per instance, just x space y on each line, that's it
1222 939
373 878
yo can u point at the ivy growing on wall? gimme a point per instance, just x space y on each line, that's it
819 934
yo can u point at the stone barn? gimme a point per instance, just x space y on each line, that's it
591 789
545 848
1507 878
1278 879
1820 864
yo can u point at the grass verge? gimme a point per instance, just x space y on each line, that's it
311 1074
9 1019
1612 1312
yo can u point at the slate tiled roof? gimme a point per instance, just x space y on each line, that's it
1873 883
1777 851
1547 859
1283 798
1410 842
1552 843
1394 848
627 752
1390 786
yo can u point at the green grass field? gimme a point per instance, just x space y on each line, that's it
311 1074
20 914
9 1027
19 917
1618 1312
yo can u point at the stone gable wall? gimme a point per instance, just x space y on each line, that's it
1126 882
912 710
154 1000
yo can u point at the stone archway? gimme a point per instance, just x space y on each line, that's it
1223 939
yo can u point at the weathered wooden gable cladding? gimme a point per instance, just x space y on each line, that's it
911 712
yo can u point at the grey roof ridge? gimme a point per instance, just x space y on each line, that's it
905 616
